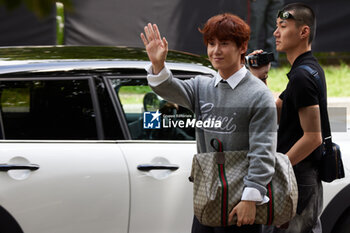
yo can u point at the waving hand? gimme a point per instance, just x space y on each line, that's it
157 48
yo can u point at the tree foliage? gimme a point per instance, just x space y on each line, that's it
41 8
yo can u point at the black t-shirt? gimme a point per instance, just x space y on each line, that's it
301 91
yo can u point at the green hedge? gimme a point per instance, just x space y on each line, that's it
337 78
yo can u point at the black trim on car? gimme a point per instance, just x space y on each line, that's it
118 108
96 106
2 131
34 78
334 210
9 224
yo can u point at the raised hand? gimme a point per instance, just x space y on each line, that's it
157 48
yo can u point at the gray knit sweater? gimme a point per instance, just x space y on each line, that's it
247 113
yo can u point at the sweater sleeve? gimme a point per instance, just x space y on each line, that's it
178 91
262 142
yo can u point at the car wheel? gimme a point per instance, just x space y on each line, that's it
10 225
343 224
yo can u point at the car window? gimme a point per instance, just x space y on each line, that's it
47 109
149 117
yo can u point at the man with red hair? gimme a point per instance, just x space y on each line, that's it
242 102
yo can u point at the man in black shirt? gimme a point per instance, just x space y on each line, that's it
299 133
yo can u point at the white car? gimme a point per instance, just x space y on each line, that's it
79 152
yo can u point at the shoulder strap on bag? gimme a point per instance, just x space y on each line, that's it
326 129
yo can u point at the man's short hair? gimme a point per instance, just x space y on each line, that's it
304 15
226 26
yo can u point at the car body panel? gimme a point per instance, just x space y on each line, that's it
161 200
72 65
79 187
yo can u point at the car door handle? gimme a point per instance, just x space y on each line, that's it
7 167
149 167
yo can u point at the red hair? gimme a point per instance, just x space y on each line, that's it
226 26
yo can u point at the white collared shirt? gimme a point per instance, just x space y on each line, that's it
234 79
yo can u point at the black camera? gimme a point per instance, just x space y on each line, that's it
259 59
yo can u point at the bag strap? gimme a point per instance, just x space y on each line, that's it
325 126
216 144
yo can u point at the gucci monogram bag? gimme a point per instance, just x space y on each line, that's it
218 185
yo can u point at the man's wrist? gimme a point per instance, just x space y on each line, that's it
249 202
156 79
157 68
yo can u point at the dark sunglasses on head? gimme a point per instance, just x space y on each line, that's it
285 15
